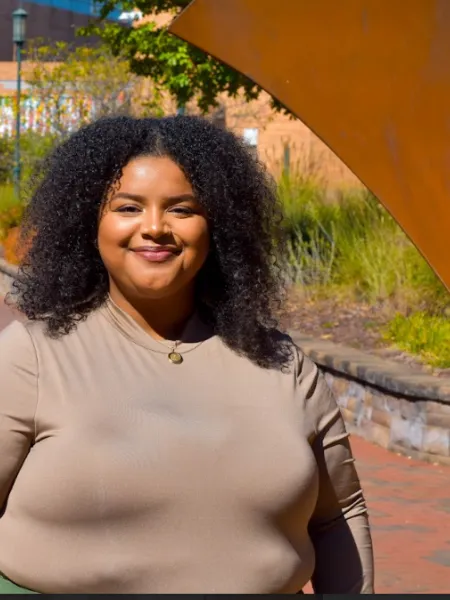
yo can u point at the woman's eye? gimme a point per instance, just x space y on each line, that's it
182 210
128 209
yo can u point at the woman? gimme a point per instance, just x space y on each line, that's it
157 433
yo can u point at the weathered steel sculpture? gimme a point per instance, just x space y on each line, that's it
370 77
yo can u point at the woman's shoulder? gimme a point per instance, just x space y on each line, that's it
298 364
21 335
312 393
291 365
19 369
15 338
24 335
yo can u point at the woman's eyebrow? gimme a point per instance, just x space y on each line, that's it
139 198
181 198
127 196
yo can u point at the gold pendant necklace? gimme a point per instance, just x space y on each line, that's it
174 356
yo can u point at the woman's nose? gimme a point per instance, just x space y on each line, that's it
154 223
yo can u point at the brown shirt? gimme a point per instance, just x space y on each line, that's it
122 472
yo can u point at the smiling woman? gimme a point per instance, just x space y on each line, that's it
158 434
153 239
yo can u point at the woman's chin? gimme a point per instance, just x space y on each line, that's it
155 290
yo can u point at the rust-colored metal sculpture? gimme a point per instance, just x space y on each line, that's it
370 77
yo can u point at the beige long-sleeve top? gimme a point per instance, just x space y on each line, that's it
122 472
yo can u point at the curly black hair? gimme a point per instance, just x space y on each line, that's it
240 288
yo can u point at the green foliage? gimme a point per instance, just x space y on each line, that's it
70 86
11 210
34 147
7 198
74 85
353 244
424 335
184 71
6 160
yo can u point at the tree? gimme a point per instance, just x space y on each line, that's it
68 86
65 89
174 66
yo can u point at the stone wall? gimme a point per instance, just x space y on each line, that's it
415 427
6 277
386 402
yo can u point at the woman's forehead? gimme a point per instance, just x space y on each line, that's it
154 175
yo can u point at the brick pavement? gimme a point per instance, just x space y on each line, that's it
409 503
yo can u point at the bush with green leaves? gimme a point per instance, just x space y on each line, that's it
6 159
33 149
422 334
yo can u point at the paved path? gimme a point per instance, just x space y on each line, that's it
409 503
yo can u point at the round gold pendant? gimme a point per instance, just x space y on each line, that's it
175 358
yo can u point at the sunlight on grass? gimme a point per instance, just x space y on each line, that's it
424 335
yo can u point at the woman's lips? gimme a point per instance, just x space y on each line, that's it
155 255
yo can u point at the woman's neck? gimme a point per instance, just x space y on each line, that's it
164 318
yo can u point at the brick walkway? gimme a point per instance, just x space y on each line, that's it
409 503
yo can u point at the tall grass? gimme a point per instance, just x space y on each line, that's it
353 245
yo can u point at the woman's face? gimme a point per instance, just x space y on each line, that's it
153 234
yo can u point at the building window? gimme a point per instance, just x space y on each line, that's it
250 137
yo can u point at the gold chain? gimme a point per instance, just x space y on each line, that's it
175 357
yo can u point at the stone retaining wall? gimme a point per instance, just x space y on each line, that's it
382 401
7 272
386 402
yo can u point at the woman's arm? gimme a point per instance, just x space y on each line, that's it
18 401
339 527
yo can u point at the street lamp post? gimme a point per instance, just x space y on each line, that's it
19 17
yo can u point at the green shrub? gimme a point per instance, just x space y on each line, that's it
424 335
33 149
11 210
7 197
6 160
